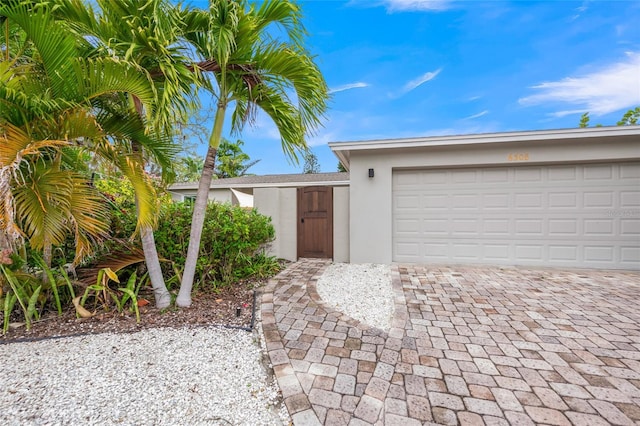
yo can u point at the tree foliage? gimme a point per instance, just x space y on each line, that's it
252 59
58 100
232 161
630 118
311 164
113 78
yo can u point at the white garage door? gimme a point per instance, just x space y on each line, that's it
585 215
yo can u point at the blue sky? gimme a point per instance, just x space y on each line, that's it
406 68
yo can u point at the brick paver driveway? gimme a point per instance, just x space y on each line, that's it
468 345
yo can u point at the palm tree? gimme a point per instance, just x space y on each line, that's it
249 69
55 100
146 34
232 160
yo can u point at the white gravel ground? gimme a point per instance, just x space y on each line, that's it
190 376
362 291
211 376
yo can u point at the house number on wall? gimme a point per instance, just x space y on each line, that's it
521 156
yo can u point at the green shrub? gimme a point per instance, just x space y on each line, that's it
232 246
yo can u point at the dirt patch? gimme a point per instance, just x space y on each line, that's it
231 306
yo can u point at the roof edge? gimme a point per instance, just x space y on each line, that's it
482 138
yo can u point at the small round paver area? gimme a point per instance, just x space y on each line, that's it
467 345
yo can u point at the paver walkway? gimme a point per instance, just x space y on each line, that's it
468 345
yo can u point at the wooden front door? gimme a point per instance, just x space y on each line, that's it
315 222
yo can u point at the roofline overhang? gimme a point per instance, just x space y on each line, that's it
342 150
194 185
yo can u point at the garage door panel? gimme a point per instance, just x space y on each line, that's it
563 227
495 201
630 256
436 251
563 253
604 253
464 201
572 215
630 226
433 227
531 200
529 252
594 172
599 227
408 227
629 172
497 227
467 251
435 202
408 249
528 175
497 252
433 178
408 202
464 227
495 176
561 174
600 199
630 199
562 200
464 176
528 227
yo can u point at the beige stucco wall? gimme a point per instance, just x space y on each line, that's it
222 195
371 198
341 224
280 205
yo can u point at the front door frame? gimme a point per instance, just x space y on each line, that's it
305 247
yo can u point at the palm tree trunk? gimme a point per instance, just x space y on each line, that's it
160 292
47 257
199 211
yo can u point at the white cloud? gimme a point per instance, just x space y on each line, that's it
580 10
420 80
478 115
417 5
349 86
612 88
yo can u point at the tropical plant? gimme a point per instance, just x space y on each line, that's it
250 69
23 289
232 247
102 293
55 102
232 161
189 168
145 34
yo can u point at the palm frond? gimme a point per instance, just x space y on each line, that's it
286 14
56 47
286 118
281 65
115 261
130 166
89 217
16 144
42 204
